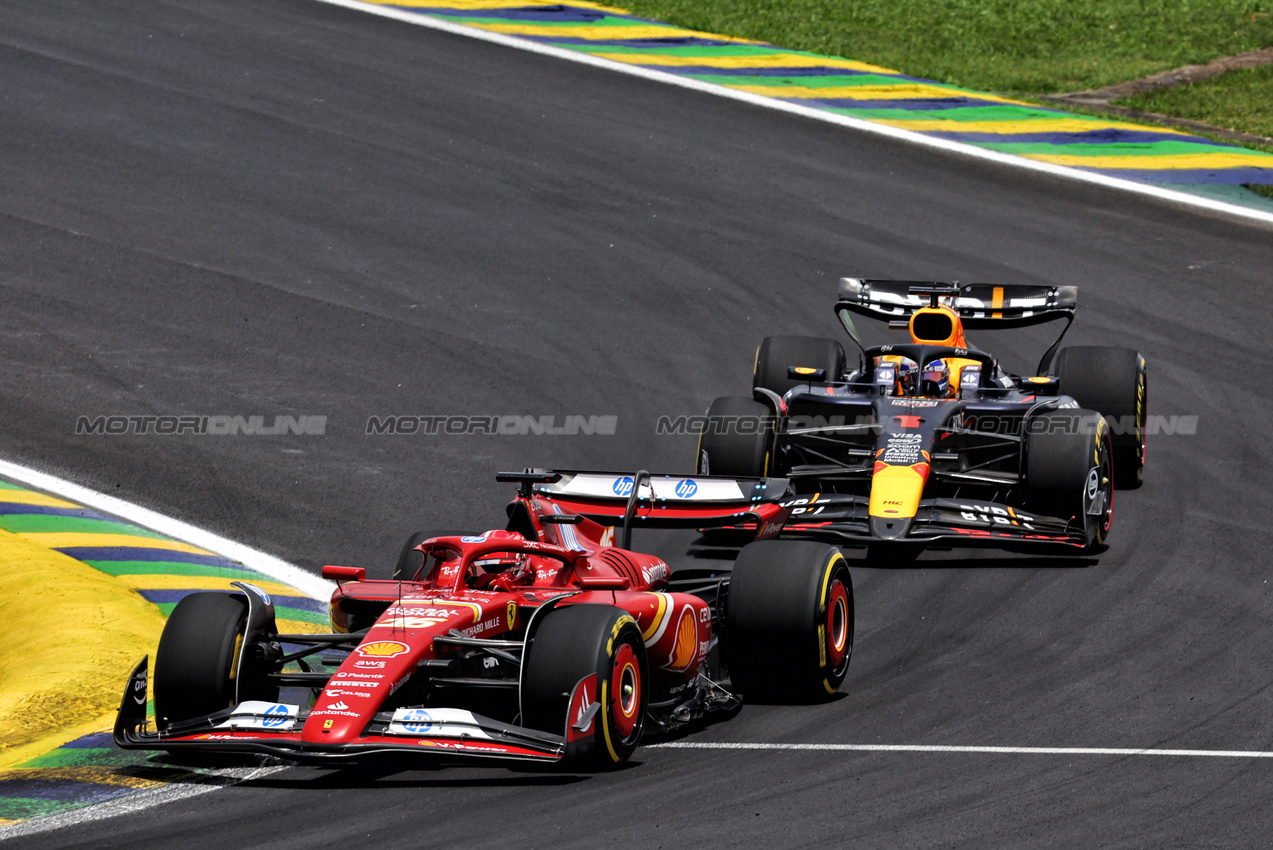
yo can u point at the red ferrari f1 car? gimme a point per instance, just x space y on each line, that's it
541 641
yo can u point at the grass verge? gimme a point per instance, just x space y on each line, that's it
1239 100
1017 46
1020 47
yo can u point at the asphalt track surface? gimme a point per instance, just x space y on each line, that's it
234 208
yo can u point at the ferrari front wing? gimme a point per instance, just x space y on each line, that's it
276 729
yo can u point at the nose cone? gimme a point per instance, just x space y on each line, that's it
335 723
887 528
896 490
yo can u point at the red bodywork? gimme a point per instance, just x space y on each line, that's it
472 596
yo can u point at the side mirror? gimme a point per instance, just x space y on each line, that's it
806 373
339 574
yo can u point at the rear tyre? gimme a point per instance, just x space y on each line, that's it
777 353
1115 382
409 560
788 622
572 643
735 440
1069 470
198 652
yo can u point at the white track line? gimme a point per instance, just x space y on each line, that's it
132 803
275 568
935 748
910 136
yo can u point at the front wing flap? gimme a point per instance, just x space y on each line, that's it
846 518
275 729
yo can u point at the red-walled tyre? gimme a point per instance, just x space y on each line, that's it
572 643
788 620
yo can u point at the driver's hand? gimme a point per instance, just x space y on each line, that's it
503 582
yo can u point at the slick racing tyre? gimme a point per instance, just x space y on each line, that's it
735 439
1069 470
1115 382
195 667
787 630
409 560
572 643
778 353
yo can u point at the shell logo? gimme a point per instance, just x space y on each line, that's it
686 641
382 649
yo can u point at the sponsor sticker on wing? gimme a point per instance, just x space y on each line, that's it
696 490
436 723
686 489
262 716
596 486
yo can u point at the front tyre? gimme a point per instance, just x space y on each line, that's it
735 440
196 665
777 354
1069 470
788 622
571 644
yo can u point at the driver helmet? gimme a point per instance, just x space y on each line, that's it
935 380
907 378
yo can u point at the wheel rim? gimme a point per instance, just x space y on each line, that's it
625 680
1107 487
1103 489
1142 405
839 625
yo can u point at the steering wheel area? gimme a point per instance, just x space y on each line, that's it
500 573
920 355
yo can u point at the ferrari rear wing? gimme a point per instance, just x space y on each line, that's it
664 500
979 305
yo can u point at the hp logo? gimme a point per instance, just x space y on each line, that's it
417 721
686 488
276 715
